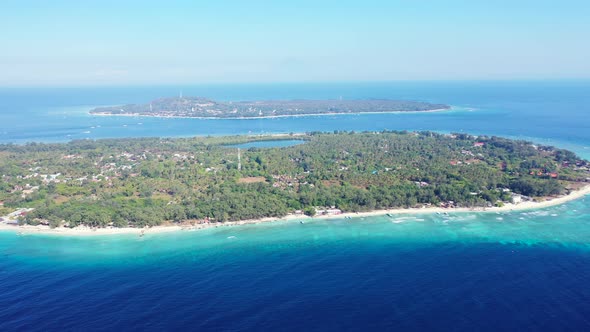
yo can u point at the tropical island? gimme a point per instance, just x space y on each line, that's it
145 182
193 107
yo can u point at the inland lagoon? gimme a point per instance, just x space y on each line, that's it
511 270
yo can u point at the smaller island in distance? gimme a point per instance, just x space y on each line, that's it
196 107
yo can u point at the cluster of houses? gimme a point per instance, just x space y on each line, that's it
474 158
12 218
466 162
106 171
25 190
108 167
332 211
284 181
545 174
447 205
579 166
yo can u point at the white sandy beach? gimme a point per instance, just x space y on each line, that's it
87 231
141 115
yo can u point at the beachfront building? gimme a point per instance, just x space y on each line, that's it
516 198
328 212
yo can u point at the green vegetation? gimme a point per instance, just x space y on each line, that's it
201 107
150 181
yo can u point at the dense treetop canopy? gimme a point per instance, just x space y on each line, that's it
149 181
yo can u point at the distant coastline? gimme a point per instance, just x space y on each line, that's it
87 231
451 108
202 108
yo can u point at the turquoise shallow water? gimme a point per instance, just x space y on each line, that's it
566 226
553 112
521 270
525 270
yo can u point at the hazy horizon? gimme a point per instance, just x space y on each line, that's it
188 85
65 43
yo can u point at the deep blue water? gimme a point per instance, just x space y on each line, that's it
338 286
467 272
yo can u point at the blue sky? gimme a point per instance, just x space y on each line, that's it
182 42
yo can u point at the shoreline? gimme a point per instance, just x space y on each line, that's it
88 231
451 108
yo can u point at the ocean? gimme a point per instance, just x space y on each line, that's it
526 270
